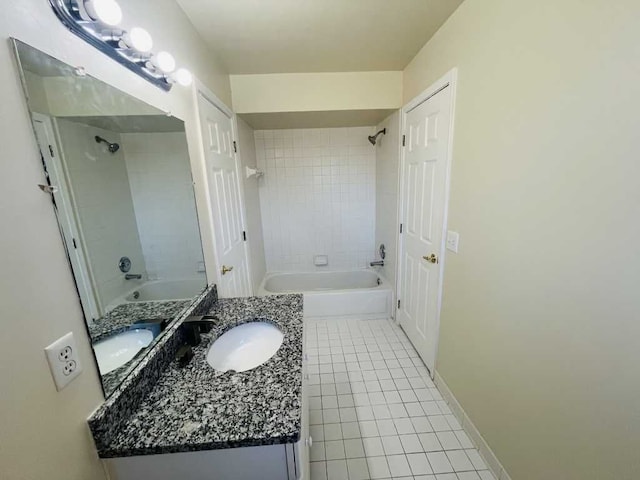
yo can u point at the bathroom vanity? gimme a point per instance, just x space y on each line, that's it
168 421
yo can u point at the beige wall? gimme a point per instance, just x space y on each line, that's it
253 220
387 173
303 92
43 433
540 331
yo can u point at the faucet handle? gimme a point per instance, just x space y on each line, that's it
194 325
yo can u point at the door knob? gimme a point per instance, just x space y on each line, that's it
226 269
431 258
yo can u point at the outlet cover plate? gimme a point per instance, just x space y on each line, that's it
63 359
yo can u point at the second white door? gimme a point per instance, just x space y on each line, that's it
424 192
226 203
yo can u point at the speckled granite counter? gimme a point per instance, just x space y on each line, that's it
123 316
198 408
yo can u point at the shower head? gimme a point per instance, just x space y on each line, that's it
373 138
113 147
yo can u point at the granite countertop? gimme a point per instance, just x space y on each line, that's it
198 408
123 316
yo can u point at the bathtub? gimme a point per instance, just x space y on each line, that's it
156 290
355 294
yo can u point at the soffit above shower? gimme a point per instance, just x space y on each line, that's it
288 36
325 119
132 123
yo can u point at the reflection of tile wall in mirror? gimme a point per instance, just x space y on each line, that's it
124 190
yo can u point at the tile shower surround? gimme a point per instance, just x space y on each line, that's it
317 197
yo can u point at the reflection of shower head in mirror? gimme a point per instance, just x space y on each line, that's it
113 147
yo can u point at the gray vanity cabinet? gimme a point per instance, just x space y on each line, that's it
269 462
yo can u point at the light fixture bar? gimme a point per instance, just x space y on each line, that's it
93 33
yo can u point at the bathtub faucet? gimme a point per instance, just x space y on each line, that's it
132 276
377 263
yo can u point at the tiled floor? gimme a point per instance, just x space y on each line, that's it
375 413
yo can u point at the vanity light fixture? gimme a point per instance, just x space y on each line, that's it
162 61
107 12
183 77
95 21
137 39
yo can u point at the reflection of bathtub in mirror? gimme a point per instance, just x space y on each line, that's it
155 290
162 290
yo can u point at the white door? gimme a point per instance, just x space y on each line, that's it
424 197
54 169
226 204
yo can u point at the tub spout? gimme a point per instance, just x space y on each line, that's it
377 263
132 276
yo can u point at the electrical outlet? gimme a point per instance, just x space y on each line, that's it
62 356
453 238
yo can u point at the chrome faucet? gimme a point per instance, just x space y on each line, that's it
132 276
377 263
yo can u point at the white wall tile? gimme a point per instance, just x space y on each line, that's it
162 191
103 204
317 197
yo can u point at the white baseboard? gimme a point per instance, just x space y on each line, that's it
470 429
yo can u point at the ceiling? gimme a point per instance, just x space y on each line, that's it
292 36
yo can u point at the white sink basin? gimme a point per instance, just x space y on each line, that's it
115 351
245 347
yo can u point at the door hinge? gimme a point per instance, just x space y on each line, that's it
400 228
235 147
398 304
403 140
51 151
244 236
75 245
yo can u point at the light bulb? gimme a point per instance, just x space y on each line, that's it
104 11
138 39
164 61
183 77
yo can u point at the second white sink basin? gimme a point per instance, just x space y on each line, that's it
115 351
245 347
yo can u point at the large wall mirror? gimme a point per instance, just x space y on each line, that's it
119 176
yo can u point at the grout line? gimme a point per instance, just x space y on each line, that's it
373 335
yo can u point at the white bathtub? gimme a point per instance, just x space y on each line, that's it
356 294
159 290
156 290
